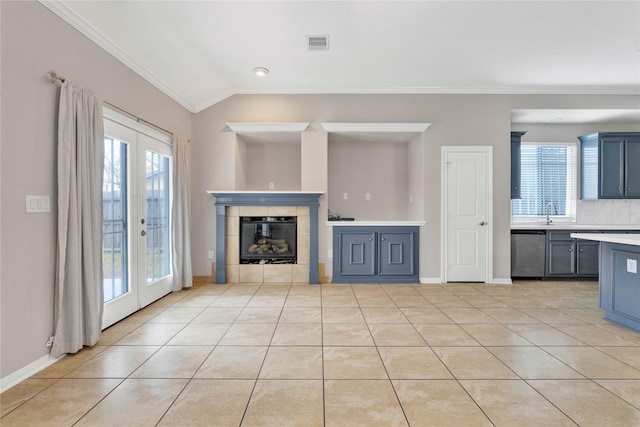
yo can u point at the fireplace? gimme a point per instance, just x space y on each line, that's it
232 205
268 240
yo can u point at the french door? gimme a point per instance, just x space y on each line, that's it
136 226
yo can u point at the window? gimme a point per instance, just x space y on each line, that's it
548 175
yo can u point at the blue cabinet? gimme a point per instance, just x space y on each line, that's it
620 284
516 139
609 165
567 256
384 254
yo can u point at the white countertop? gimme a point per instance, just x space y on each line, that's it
570 226
262 192
376 223
625 239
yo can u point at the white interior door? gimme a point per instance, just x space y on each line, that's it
136 211
467 200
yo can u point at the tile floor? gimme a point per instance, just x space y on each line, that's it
531 354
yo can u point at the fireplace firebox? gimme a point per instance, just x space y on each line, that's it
268 240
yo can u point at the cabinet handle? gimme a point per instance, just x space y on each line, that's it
570 250
382 238
581 250
618 188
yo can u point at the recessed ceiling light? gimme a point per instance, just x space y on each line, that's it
261 71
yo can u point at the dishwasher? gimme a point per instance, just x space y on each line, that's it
528 253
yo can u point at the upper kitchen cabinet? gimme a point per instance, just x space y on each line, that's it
609 165
516 139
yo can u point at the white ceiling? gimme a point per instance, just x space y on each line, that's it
200 52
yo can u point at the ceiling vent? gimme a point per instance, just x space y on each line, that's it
318 42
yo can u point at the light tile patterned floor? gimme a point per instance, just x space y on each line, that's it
532 354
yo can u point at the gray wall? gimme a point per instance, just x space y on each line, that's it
35 41
360 167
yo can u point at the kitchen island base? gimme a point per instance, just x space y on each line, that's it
619 277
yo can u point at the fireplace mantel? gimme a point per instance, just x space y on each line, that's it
265 198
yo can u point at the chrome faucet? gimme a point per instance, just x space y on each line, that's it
546 210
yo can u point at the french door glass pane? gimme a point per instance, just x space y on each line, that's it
114 228
158 252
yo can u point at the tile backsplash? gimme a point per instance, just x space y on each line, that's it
608 212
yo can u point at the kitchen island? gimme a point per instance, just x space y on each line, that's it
619 277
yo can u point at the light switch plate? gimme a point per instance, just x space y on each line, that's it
37 204
632 265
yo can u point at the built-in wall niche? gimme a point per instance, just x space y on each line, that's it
268 156
375 170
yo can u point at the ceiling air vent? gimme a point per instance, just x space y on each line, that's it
318 42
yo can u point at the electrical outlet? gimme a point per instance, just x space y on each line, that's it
345 196
410 198
367 196
272 185
210 254
632 266
50 342
330 254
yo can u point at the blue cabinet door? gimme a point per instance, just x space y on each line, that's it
356 255
612 168
395 253
587 258
516 138
632 168
561 258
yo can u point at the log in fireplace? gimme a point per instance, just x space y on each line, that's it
268 240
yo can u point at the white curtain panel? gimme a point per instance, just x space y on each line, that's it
79 286
181 227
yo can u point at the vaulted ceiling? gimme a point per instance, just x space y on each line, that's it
200 52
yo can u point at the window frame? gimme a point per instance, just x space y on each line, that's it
571 196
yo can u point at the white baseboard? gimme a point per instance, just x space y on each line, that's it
25 372
430 280
438 280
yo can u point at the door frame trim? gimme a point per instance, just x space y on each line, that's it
488 151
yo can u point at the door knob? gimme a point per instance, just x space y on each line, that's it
482 223
143 233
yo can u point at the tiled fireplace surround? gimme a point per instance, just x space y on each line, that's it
230 206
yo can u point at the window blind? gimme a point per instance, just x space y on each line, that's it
548 175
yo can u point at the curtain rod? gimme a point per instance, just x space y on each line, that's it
55 78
